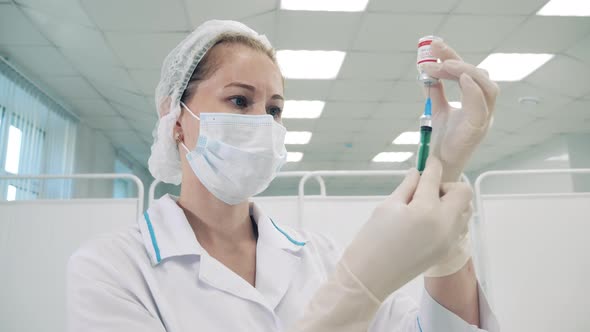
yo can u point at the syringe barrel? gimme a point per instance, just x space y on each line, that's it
424 148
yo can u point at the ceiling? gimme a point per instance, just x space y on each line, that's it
101 58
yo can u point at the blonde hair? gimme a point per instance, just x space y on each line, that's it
208 65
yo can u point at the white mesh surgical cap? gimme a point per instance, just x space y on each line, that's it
177 69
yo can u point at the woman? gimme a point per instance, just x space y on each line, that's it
209 260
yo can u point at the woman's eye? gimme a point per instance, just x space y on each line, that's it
239 101
274 111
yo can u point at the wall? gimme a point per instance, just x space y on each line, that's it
96 154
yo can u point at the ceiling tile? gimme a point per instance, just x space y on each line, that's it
581 50
375 138
558 75
320 156
384 126
72 87
349 110
137 15
380 66
442 6
389 32
546 34
579 110
335 125
264 24
309 31
405 91
41 60
146 79
510 92
327 134
227 10
113 123
316 166
122 96
62 10
92 107
307 89
357 90
484 32
143 50
503 7
398 111
133 113
16 28
84 44
299 124
116 77
511 119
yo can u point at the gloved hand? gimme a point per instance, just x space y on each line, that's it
408 232
458 132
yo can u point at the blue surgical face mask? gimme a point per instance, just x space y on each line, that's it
237 156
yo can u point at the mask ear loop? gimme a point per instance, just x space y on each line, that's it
194 116
189 110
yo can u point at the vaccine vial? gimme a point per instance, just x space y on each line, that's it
425 56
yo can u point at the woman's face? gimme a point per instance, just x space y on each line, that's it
245 81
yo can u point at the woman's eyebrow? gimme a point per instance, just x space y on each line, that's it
251 88
242 85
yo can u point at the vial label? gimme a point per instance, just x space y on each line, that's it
425 55
425 52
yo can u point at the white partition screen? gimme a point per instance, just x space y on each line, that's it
537 259
37 237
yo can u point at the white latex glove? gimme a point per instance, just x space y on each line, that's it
407 233
458 132
457 256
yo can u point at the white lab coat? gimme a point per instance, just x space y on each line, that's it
156 277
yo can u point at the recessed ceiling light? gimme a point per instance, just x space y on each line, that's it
392 157
294 156
511 67
325 5
302 109
565 8
408 137
297 137
561 157
310 64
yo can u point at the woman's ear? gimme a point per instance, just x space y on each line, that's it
178 135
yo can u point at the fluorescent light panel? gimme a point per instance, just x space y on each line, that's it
325 5
408 137
297 137
303 109
510 67
565 8
561 157
310 64
392 157
294 156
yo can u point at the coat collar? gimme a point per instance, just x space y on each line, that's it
166 233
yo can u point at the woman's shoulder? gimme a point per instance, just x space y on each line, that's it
316 244
118 249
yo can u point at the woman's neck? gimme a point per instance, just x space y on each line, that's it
214 222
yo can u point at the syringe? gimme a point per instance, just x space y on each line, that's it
425 134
